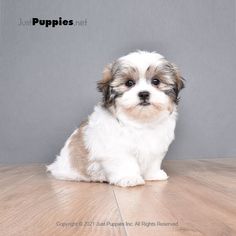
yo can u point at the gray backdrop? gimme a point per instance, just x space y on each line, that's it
48 75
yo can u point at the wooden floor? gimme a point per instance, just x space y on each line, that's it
198 199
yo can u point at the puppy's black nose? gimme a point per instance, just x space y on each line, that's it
144 95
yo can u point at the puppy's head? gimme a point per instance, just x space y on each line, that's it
142 85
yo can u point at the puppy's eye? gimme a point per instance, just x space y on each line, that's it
155 81
129 83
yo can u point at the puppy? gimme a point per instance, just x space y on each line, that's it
125 139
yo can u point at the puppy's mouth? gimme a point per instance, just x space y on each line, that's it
144 103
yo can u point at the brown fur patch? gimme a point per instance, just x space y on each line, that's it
162 72
122 74
77 150
179 78
103 84
112 84
143 113
170 79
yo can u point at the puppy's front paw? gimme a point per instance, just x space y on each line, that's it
127 181
158 175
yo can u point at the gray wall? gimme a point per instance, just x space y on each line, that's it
48 75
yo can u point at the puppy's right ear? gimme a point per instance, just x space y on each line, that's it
104 84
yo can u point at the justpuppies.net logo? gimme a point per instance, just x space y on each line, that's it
52 22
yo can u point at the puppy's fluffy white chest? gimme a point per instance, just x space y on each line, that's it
109 137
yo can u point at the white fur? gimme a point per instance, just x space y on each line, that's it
123 151
128 150
142 59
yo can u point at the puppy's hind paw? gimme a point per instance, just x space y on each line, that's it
128 181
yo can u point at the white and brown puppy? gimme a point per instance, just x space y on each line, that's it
125 139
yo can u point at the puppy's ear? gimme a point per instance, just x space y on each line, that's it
179 82
104 84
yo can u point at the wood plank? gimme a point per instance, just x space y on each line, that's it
220 176
199 205
44 206
198 199
12 175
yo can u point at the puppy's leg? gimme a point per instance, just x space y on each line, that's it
154 172
123 171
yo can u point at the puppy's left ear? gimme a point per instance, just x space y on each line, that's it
179 82
104 84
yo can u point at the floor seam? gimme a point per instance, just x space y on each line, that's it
126 233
